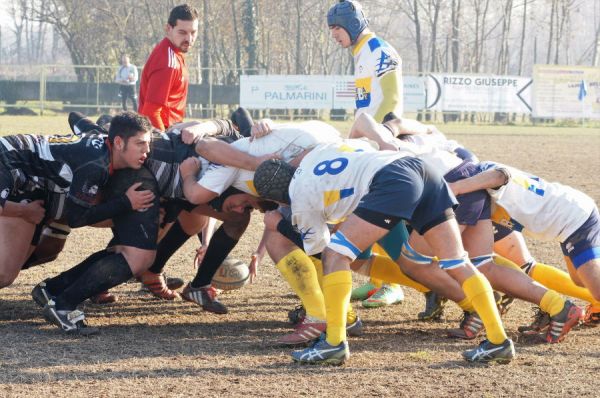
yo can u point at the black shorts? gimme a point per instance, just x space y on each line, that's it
407 189
472 206
135 228
500 231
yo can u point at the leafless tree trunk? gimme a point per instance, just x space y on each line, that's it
455 34
250 31
551 34
411 9
523 30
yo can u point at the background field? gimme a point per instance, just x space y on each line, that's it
148 347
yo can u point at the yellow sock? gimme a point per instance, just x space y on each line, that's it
384 268
337 287
319 267
552 303
560 281
299 272
351 315
376 282
506 263
480 293
466 305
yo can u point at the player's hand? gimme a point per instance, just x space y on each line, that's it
33 212
189 167
191 134
200 253
139 200
264 158
272 218
454 188
253 266
261 128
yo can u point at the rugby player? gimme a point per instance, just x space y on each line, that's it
373 192
63 177
379 91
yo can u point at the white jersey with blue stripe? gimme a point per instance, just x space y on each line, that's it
543 210
287 140
374 58
329 184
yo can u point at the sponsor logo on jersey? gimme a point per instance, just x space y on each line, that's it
4 193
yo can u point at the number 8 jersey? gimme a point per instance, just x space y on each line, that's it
329 184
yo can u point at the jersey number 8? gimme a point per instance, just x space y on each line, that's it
333 167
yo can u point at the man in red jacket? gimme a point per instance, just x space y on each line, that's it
164 84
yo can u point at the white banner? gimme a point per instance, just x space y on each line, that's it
315 92
286 92
478 93
566 91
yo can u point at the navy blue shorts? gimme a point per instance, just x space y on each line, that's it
500 231
407 189
584 244
473 206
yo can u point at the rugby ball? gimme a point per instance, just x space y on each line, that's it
231 275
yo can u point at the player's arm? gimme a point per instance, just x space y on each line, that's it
194 131
32 212
192 190
82 201
365 126
153 111
490 179
219 152
159 85
391 89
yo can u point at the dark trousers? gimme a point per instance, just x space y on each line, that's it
128 91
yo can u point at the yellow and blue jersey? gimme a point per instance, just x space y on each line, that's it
374 59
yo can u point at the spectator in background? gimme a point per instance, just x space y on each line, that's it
164 85
127 77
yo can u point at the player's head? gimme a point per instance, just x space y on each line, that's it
272 180
234 200
182 27
129 135
347 21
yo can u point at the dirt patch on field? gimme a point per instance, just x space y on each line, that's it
153 348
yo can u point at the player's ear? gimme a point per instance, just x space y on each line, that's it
119 143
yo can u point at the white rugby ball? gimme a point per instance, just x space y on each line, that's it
231 275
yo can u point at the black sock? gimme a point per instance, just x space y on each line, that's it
105 273
168 245
60 282
219 248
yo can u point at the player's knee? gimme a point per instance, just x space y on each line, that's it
7 278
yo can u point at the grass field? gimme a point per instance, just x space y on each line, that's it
148 347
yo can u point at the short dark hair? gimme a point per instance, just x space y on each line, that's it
126 125
184 12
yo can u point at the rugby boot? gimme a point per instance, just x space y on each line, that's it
385 295
41 295
592 316
470 327
363 292
71 322
297 315
156 284
434 307
355 328
206 297
487 352
561 323
322 353
305 332
541 321
504 304
104 297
